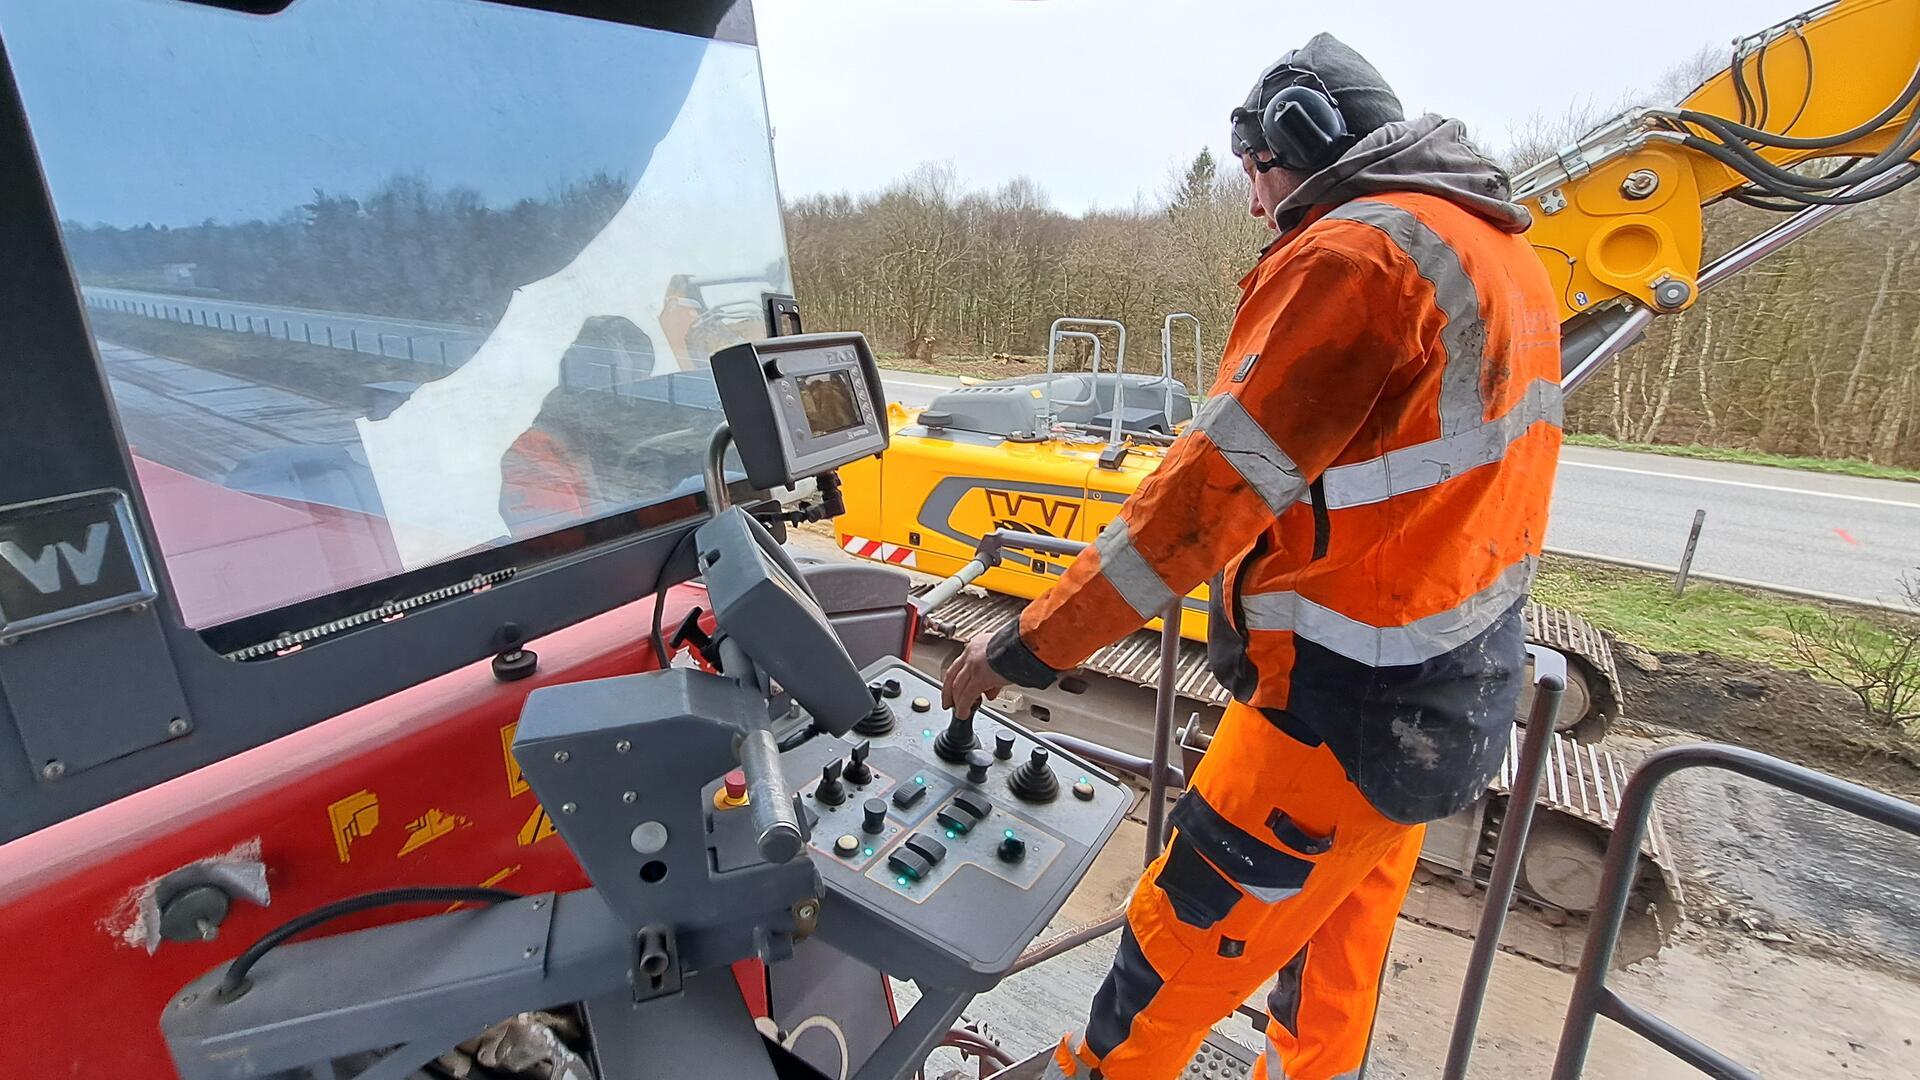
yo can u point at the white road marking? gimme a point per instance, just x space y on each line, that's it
1740 484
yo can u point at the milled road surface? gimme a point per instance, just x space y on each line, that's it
1842 535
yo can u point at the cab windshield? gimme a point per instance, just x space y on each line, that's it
375 284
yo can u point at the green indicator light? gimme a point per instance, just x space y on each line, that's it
949 834
1084 780
902 881
867 851
926 733
1009 834
919 779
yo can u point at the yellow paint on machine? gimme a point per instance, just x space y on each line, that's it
351 819
428 827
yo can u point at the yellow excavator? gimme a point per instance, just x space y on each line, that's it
1812 115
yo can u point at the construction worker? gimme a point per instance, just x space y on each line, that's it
1372 474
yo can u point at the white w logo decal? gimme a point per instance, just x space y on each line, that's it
42 571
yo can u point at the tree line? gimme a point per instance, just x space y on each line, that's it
1816 351
406 248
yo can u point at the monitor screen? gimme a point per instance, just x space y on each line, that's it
827 398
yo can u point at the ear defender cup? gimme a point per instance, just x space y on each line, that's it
1304 129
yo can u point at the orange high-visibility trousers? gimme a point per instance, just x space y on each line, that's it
1277 864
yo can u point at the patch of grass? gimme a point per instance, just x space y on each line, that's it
1640 607
1841 466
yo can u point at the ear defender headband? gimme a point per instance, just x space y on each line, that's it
1299 124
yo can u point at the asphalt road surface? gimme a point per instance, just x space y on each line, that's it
1840 535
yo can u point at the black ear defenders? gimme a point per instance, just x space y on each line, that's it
1300 125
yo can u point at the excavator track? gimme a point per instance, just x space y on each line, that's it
1577 805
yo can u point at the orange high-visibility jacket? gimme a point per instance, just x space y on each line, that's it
1372 473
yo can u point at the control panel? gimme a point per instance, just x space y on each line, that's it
945 847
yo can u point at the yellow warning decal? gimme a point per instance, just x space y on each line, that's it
352 818
516 783
501 875
538 827
429 827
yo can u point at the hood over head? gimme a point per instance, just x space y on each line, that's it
1430 155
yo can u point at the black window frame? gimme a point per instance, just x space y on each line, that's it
153 698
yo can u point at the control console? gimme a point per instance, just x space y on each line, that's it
945 847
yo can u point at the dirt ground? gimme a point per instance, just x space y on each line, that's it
1784 713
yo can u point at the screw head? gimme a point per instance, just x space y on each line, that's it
179 726
623 746
567 808
628 796
560 757
53 770
805 911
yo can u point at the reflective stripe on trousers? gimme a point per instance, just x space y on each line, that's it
1390 646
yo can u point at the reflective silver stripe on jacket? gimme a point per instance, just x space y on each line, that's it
1429 464
1390 646
1129 573
1251 451
1464 337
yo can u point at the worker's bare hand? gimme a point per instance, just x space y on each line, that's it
969 678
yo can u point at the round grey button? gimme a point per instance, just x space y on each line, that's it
648 837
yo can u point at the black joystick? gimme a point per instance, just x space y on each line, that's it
875 812
953 743
1035 781
879 719
978 762
1003 746
857 770
831 792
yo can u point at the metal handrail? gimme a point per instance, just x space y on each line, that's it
1592 998
1166 356
1119 361
1550 684
1053 341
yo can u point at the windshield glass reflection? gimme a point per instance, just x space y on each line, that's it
379 284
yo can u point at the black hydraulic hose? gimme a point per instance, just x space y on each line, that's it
1806 198
1903 146
235 983
1751 134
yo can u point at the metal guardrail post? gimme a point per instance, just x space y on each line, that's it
1162 729
1550 683
1591 997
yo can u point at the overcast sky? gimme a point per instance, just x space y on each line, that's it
861 91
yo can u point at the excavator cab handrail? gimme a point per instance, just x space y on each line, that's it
1166 356
1053 341
1054 333
1592 998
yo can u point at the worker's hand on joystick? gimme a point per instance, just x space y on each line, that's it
969 678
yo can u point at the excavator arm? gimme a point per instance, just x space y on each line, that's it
1618 215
